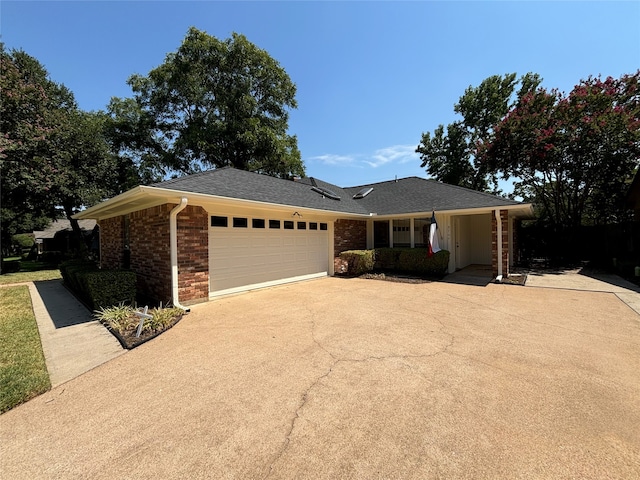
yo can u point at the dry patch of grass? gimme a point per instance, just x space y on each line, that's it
23 372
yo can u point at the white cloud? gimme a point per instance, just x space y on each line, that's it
398 154
332 159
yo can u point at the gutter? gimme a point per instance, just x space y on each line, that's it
499 245
173 242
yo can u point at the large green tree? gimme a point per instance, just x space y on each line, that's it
212 103
573 154
449 154
54 157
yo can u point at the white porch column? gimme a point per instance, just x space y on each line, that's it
370 239
411 228
331 247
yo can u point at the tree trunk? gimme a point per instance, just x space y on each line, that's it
78 239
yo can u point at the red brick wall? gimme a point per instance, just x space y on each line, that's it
150 251
504 219
111 242
349 235
150 247
193 255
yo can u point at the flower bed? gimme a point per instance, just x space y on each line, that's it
123 323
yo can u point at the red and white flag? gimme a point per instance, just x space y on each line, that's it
434 247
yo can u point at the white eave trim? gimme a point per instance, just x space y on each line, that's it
122 204
524 208
147 197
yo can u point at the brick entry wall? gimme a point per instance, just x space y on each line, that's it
193 255
150 251
504 219
111 242
349 235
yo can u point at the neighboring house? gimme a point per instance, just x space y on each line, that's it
226 230
57 237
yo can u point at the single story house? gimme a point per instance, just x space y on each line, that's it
57 237
223 231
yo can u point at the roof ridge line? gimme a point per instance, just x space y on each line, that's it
487 194
395 180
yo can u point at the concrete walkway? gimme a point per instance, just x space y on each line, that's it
73 343
580 279
586 280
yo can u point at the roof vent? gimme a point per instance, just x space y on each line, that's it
326 193
363 192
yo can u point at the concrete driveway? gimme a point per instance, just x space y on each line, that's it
353 378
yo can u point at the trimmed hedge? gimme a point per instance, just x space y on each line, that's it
406 260
99 288
110 287
11 266
417 260
72 272
387 258
358 261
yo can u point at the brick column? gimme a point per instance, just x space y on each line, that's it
193 255
349 235
150 258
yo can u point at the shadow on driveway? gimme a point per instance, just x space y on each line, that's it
580 278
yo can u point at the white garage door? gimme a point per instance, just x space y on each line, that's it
247 253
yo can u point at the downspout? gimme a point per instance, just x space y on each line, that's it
499 245
173 242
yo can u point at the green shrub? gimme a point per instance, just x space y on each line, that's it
412 260
23 240
123 321
109 287
10 266
161 319
417 260
119 318
99 288
72 271
387 258
358 261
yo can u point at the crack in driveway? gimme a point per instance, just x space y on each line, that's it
336 361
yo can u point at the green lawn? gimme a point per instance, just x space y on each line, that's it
31 271
23 372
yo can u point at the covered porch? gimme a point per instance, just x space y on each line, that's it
473 237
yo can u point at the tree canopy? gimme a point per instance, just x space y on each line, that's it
450 154
54 157
212 103
573 154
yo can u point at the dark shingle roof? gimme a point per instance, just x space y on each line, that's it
61 225
406 195
413 194
232 183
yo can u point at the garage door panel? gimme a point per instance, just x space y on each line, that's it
245 257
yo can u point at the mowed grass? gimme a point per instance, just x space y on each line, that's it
31 272
23 372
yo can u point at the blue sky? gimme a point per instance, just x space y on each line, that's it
371 76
